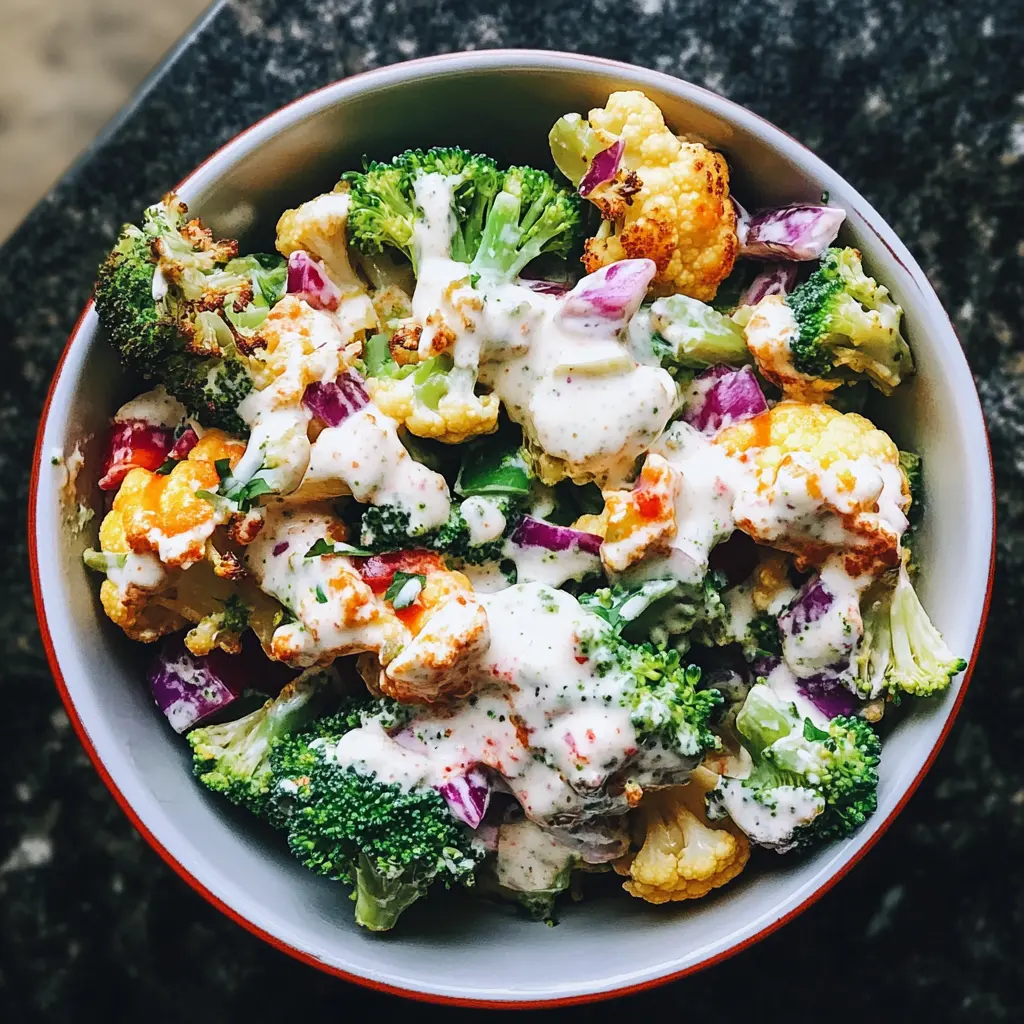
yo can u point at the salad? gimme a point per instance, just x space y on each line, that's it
520 529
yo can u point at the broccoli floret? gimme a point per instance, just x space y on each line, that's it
910 463
292 757
763 638
181 307
668 613
848 322
233 758
391 844
901 651
500 220
665 705
807 785
386 528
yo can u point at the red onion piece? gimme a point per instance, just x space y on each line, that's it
545 287
309 281
813 601
185 443
603 167
775 279
334 401
608 298
723 395
828 694
468 796
134 444
796 232
535 533
189 689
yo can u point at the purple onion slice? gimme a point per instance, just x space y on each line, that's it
334 401
796 232
535 533
309 281
603 167
721 396
775 279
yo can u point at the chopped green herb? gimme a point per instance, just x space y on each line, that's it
404 589
813 733
223 467
325 547
321 597
166 466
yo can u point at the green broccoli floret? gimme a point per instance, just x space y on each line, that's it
181 307
668 613
901 651
233 758
292 757
666 707
763 638
807 785
386 528
500 220
391 844
848 324
910 463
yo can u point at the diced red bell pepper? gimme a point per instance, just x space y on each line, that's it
134 444
378 571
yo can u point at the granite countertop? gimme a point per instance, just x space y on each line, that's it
921 106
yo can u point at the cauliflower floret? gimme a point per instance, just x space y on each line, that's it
335 611
147 600
681 856
163 513
642 520
319 227
826 483
681 217
440 661
458 415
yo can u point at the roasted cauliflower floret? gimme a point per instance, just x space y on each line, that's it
334 611
681 857
148 600
457 415
319 227
642 520
163 514
826 483
681 216
440 660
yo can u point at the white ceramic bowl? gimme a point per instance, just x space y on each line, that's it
501 102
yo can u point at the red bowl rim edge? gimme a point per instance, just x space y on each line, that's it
429 997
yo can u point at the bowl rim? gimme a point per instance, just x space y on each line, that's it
471 59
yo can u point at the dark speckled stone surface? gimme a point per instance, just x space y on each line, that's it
920 104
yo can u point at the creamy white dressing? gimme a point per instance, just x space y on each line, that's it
579 397
546 715
786 509
831 639
155 407
336 614
487 578
484 519
145 572
535 564
711 481
364 455
769 826
530 859
786 687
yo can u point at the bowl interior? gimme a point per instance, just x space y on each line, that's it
502 104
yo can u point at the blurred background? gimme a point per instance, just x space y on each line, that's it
66 66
